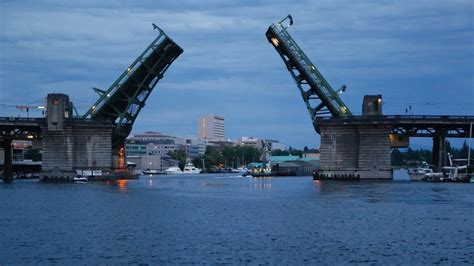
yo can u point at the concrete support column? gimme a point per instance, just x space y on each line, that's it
438 151
8 163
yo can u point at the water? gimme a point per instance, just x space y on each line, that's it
228 219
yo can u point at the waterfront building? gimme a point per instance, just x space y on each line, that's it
294 164
211 127
153 143
195 147
261 144
149 150
220 144
309 155
155 162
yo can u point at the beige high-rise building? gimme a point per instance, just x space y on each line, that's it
211 127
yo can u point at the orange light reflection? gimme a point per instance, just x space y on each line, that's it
122 184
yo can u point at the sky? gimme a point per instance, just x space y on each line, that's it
417 53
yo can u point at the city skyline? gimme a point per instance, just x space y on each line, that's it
227 67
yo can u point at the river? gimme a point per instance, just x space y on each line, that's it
229 219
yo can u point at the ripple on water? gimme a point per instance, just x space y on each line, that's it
223 219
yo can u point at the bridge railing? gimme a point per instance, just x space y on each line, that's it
304 72
20 119
400 117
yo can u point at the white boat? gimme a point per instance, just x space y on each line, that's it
80 179
174 171
417 174
433 177
457 170
239 170
151 172
191 169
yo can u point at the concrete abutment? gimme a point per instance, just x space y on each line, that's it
356 151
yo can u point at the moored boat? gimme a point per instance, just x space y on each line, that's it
174 171
152 172
418 173
80 179
189 168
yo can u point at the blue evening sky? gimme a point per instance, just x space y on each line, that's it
413 52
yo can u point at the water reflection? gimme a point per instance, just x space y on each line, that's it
261 186
261 182
212 185
206 219
121 184
328 186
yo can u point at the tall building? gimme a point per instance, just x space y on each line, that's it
211 127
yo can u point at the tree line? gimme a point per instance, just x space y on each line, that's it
227 157
402 157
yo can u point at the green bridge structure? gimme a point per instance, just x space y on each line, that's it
353 147
95 141
357 147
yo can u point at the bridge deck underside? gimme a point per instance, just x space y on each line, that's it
19 128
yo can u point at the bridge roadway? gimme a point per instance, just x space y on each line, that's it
17 128
437 127
409 125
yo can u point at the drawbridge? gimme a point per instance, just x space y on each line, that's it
320 98
94 141
122 101
354 147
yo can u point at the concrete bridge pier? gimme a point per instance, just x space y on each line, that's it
355 152
8 162
439 151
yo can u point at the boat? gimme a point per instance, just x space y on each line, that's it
418 173
240 170
80 179
174 170
433 177
262 172
152 172
189 168
455 172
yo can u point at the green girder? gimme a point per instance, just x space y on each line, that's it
318 95
122 101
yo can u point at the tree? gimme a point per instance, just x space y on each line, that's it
180 156
34 155
279 152
463 152
213 157
198 162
